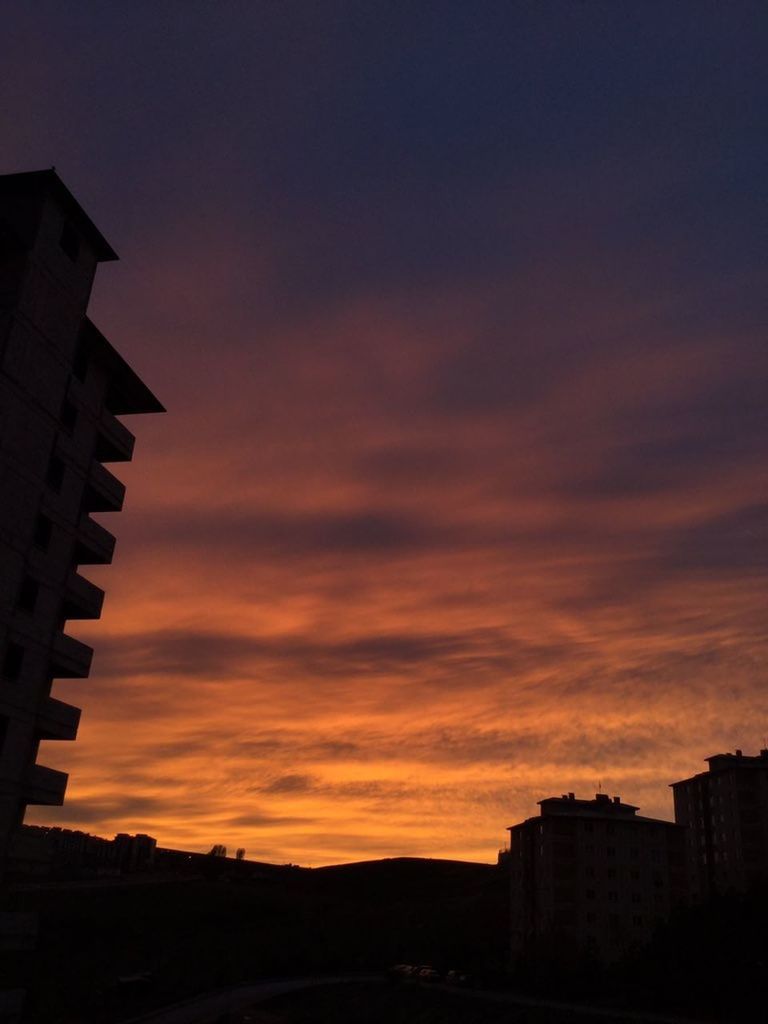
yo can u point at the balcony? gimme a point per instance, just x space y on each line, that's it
45 786
95 545
70 659
57 720
103 491
18 930
82 599
114 442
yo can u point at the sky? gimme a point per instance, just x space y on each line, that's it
458 311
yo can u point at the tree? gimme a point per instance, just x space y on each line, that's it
240 853
218 850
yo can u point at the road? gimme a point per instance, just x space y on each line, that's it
204 1009
208 1008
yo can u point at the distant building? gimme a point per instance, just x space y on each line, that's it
592 876
62 387
50 853
726 812
135 853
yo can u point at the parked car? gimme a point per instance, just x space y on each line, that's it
399 972
428 975
459 978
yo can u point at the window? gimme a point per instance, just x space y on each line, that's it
70 242
591 917
634 874
28 592
610 873
611 851
637 920
43 531
613 897
4 722
590 894
636 897
588 826
68 416
12 660
55 475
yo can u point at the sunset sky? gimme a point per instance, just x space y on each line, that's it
459 314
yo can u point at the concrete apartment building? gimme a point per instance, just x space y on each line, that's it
592 876
725 811
62 388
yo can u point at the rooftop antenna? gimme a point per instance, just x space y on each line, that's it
599 787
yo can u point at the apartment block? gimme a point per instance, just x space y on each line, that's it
725 811
48 852
63 389
592 876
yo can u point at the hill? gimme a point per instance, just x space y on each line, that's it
192 934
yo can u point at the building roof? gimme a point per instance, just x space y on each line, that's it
48 182
601 808
727 762
602 805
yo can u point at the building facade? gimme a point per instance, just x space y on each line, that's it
592 876
62 388
725 810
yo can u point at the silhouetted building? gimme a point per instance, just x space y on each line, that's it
135 853
726 812
42 852
592 875
62 387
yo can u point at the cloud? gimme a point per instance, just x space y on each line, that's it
369 533
251 821
214 656
291 783
735 542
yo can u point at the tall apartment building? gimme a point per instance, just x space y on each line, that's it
62 388
592 876
725 810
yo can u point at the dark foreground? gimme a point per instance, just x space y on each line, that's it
367 1003
109 952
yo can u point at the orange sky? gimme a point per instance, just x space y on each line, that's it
460 499
341 635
